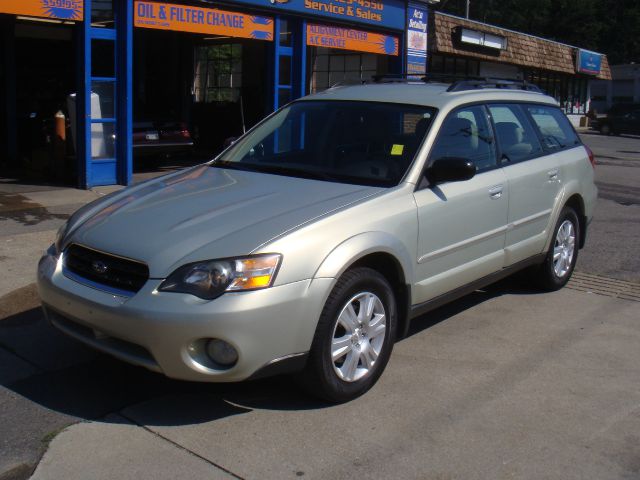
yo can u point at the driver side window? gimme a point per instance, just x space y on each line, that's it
466 134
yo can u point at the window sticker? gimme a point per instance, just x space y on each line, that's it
397 149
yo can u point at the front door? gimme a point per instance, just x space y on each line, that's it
461 224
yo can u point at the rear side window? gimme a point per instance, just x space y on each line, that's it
516 137
555 129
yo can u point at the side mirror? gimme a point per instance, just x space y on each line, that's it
450 169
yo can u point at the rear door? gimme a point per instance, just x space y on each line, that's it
461 224
533 174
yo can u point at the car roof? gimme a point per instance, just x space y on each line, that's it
427 94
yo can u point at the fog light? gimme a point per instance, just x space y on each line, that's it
222 352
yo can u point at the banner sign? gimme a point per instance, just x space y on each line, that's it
416 40
588 62
349 39
381 13
58 9
184 18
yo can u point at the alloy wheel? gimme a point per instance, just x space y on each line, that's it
358 336
564 249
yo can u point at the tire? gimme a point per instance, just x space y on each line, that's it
350 350
605 129
561 258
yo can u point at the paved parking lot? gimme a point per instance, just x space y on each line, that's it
506 383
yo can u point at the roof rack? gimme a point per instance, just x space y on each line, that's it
501 83
459 83
398 78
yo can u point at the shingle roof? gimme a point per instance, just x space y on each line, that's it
522 49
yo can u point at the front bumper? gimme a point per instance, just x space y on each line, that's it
156 329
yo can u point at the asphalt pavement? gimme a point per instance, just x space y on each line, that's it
505 383
612 248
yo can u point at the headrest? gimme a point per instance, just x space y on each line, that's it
509 133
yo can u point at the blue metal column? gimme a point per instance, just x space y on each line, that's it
104 146
300 59
83 100
296 53
124 90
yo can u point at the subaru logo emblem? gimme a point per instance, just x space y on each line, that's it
99 267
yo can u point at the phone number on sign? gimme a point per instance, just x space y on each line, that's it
70 4
363 4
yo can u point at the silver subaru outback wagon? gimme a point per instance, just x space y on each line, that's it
310 243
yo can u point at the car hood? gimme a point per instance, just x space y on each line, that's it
206 212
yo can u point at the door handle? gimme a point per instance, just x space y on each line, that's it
495 192
553 174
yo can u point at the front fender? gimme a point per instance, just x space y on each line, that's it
354 248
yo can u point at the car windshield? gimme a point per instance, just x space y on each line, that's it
364 143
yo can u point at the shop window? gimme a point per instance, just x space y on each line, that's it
285 33
285 70
102 13
437 64
103 141
473 68
103 99
449 65
570 91
218 75
103 58
330 67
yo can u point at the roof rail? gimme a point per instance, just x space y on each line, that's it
501 83
459 83
398 78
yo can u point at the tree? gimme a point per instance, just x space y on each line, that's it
607 26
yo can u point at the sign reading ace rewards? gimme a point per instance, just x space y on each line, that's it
58 9
350 39
184 18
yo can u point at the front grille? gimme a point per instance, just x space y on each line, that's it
105 269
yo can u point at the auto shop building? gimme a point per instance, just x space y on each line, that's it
85 84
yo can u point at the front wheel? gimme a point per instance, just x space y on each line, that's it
605 129
561 258
354 337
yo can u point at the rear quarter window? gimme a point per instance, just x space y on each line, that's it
555 130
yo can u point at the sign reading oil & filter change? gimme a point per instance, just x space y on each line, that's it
350 39
211 21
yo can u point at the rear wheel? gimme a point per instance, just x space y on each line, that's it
354 337
561 258
605 129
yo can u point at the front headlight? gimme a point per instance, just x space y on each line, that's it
212 278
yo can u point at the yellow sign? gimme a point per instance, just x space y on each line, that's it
58 9
185 18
